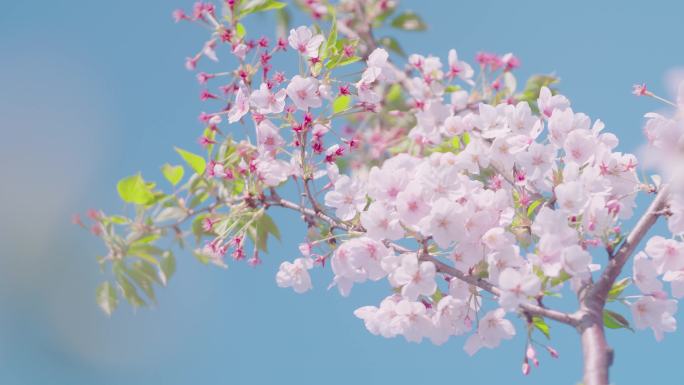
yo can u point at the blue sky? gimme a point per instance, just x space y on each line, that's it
94 91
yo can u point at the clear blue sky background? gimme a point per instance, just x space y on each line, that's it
92 91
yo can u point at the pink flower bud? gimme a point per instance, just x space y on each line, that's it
553 352
525 368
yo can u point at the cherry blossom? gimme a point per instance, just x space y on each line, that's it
295 275
266 101
304 92
348 198
493 328
655 313
304 41
517 288
415 278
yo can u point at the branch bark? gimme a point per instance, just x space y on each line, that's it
598 356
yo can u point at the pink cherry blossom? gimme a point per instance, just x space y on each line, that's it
654 313
266 101
645 274
348 198
667 254
415 278
295 275
381 223
240 107
304 41
304 92
516 288
493 328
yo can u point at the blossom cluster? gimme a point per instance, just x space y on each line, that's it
438 177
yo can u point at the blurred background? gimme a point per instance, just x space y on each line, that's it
91 91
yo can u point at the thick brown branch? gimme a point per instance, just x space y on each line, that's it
597 354
601 288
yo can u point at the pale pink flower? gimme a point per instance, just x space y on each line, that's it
381 223
348 198
655 313
304 92
266 101
517 288
667 254
493 328
295 275
415 278
240 107
304 41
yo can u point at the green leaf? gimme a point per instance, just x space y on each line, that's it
143 277
613 320
533 206
282 22
451 88
195 161
394 94
240 31
437 296
534 84
341 103
260 230
107 298
618 288
173 174
330 43
167 266
562 277
133 189
409 21
541 325
129 291
118 220
392 44
255 6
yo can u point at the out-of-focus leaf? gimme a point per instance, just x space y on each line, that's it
282 22
170 213
195 161
618 288
255 6
107 298
133 189
392 44
167 266
613 320
409 21
341 103
533 206
173 174
541 325
240 30
129 291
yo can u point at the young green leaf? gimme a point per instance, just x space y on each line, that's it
409 21
613 320
341 103
173 174
133 189
541 325
392 44
107 298
255 6
195 161
167 266
618 288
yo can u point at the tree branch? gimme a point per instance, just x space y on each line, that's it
597 354
534 310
